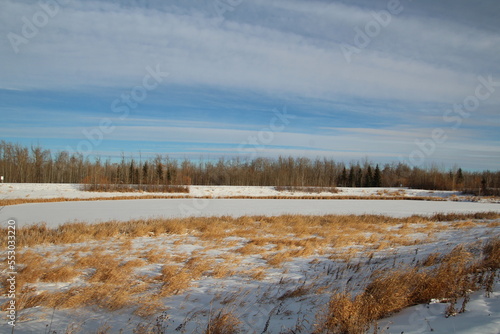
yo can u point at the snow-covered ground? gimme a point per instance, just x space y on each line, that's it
482 317
257 303
57 213
55 190
268 304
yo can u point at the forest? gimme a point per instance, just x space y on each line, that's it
34 164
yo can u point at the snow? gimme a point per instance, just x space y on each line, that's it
482 316
260 304
257 302
57 213
54 190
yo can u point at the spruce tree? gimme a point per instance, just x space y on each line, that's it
343 178
350 180
145 171
159 172
359 177
131 173
377 177
368 177
460 176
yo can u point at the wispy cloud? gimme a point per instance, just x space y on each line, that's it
96 43
228 73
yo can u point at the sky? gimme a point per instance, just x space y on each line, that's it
390 81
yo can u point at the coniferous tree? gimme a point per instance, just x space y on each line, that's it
137 175
460 177
145 173
34 164
131 172
159 172
358 177
343 178
484 185
377 177
350 180
368 182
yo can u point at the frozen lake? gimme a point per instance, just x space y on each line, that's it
94 211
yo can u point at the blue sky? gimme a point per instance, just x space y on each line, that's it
411 81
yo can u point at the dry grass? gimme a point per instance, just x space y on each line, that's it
491 251
464 224
296 292
199 266
250 248
277 259
109 275
453 276
149 306
107 296
17 201
174 280
109 282
293 189
257 274
431 260
223 322
493 224
63 273
156 256
345 314
110 187
33 268
222 270
464 216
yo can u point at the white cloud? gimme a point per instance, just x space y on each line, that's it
91 43
417 65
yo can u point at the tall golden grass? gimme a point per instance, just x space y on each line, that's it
319 229
223 322
453 276
108 265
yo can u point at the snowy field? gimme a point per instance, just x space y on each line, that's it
263 277
57 213
266 295
51 190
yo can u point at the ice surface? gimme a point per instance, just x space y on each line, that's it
94 211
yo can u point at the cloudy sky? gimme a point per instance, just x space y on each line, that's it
412 81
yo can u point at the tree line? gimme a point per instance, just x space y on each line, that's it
21 164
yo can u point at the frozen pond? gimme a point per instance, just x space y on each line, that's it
94 211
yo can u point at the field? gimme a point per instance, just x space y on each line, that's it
54 191
261 273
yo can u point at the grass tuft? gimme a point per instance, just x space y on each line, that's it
223 322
